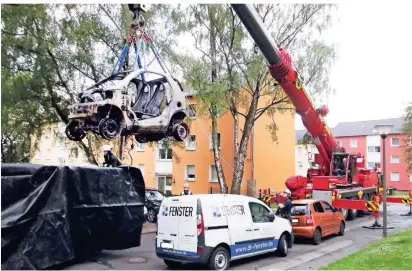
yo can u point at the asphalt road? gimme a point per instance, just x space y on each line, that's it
303 255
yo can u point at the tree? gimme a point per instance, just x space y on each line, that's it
406 129
230 74
49 53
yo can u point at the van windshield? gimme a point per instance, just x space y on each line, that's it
300 209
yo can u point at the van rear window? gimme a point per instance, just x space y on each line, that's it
300 209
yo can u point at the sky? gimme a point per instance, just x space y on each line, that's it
372 73
373 42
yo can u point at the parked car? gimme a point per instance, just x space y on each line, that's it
153 199
316 219
145 213
215 229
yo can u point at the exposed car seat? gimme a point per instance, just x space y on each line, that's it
153 106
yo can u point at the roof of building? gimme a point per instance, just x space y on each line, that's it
359 128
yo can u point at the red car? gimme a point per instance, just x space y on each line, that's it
315 219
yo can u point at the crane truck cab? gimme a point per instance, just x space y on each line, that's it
215 229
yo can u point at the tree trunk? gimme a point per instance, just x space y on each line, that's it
213 110
216 155
241 151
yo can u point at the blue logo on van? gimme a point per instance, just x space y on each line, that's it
216 212
165 211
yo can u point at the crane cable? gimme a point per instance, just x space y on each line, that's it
167 70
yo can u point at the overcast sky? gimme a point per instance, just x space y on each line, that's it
373 72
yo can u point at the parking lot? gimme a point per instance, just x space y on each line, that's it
303 255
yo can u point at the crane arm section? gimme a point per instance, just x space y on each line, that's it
281 68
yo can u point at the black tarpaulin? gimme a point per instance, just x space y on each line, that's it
52 214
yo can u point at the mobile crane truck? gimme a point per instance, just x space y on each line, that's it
339 175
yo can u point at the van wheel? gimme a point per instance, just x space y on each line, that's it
283 246
219 260
317 237
172 264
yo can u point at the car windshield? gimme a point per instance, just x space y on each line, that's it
300 209
154 195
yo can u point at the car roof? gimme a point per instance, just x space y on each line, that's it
304 201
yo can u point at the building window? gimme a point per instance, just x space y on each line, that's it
374 149
164 185
300 149
395 142
410 177
165 154
395 176
213 174
139 146
191 143
218 141
300 164
141 167
394 159
190 172
371 165
192 111
353 143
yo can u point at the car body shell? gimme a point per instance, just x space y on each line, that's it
328 221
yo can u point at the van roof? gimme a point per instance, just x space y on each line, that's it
215 196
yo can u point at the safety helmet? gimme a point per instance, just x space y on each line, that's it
186 185
107 148
287 191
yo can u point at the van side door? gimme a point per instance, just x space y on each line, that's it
240 225
263 227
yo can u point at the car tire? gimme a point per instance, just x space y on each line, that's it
180 131
151 215
283 247
219 259
341 229
173 264
317 237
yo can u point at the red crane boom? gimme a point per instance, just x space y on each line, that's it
281 68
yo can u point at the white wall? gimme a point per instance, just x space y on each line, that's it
304 155
375 157
162 166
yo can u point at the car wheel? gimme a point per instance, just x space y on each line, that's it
219 260
151 215
342 228
317 237
180 131
172 264
283 247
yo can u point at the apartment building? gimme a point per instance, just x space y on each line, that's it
267 163
51 147
361 137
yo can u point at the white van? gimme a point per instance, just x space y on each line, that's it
214 229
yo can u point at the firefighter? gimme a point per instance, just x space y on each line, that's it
286 207
186 190
110 160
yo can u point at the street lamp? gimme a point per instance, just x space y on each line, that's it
383 130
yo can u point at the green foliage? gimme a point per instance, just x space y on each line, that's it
407 130
229 73
49 53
